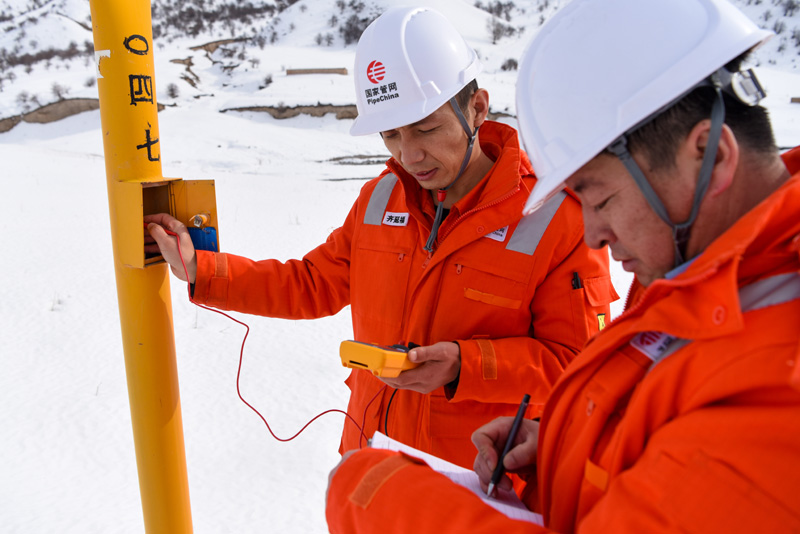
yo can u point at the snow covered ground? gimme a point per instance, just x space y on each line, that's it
66 443
67 438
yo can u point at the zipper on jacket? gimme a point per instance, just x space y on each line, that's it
428 259
450 227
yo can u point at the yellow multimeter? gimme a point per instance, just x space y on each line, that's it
381 360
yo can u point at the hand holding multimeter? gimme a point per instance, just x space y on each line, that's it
381 360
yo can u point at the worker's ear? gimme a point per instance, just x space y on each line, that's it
479 104
727 158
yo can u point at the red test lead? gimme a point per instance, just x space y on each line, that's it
241 358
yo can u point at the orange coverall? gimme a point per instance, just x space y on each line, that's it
508 301
695 432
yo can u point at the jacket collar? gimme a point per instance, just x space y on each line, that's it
763 241
500 143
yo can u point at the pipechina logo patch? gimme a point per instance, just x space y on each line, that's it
653 344
376 72
649 338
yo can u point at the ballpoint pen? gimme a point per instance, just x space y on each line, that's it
498 470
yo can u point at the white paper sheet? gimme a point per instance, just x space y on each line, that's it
506 502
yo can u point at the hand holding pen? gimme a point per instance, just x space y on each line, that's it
518 437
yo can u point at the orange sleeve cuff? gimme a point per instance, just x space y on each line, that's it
376 477
211 281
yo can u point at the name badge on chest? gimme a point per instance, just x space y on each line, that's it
498 235
654 345
395 219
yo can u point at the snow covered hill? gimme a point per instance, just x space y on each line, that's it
46 50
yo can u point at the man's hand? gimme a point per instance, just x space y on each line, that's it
490 439
159 242
440 365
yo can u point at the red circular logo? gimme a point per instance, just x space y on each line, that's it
648 338
376 71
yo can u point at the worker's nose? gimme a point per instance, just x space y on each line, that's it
596 232
411 152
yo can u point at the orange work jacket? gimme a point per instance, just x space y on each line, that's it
501 286
682 416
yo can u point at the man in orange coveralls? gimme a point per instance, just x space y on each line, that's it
683 415
499 303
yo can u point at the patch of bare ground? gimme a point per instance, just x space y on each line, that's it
54 112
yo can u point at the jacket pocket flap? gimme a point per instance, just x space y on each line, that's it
599 290
496 300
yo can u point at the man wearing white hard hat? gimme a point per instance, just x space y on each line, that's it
435 252
683 415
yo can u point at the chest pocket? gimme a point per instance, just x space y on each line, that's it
482 299
590 300
380 269
494 279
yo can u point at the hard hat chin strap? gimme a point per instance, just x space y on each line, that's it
680 231
441 194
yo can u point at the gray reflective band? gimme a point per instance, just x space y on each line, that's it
771 291
379 200
531 228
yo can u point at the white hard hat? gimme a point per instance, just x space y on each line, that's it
599 68
409 62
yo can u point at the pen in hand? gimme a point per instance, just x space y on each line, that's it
498 470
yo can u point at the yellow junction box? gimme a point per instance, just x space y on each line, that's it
185 200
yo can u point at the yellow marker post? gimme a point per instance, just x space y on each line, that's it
126 84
